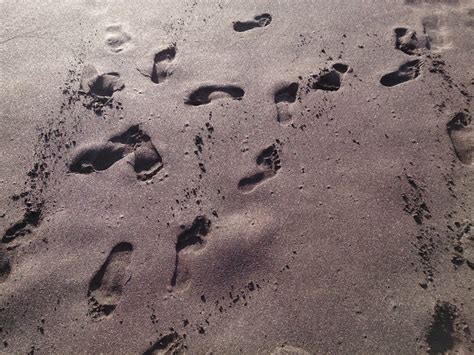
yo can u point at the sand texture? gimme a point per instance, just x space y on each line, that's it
224 177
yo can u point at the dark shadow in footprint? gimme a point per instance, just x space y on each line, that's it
461 133
248 183
441 335
406 72
97 158
262 20
330 80
106 287
103 85
5 267
189 237
161 64
97 90
170 344
201 96
268 160
146 160
31 219
283 98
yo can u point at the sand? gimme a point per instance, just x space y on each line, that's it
220 177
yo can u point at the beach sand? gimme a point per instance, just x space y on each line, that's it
221 177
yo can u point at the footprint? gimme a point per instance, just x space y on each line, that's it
330 80
31 219
106 287
447 332
262 20
170 344
464 245
283 98
5 267
407 41
97 158
268 161
189 237
461 132
146 160
116 39
103 85
406 72
161 68
204 94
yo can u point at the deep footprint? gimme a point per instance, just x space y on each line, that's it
330 80
170 344
268 160
283 98
202 95
106 287
262 20
187 238
103 85
146 160
406 72
461 132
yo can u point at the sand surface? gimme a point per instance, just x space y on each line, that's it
220 177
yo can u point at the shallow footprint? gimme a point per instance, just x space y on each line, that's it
268 161
262 20
5 267
435 32
97 158
189 237
116 38
406 72
407 41
161 68
203 95
283 99
461 132
106 287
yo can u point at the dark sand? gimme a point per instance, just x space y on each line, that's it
220 177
